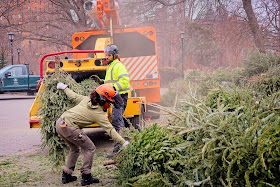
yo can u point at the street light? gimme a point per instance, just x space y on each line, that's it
182 38
11 37
18 51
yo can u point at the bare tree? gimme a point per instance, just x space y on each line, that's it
58 22
257 34
268 16
220 20
43 29
4 51
7 9
168 18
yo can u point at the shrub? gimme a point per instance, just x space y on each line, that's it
199 83
232 141
144 161
168 75
257 63
265 86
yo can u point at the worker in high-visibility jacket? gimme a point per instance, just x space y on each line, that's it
117 76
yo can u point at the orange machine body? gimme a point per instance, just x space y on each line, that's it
138 52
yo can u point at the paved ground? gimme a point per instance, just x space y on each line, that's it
16 95
16 136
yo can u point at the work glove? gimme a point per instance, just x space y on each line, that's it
125 144
118 101
97 79
61 86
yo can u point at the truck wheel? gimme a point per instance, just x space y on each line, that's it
138 120
30 92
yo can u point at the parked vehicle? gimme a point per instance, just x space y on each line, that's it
17 78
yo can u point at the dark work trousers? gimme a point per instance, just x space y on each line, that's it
76 138
117 114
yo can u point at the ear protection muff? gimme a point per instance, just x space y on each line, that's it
96 97
116 56
102 100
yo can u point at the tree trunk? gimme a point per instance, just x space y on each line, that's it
254 25
278 25
2 60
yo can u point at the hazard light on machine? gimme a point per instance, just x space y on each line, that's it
77 39
51 64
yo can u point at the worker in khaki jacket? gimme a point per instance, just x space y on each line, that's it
117 77
88 110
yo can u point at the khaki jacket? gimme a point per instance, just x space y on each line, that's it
84 113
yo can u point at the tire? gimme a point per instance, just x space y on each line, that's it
138 120
30 92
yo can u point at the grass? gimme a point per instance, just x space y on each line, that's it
34 169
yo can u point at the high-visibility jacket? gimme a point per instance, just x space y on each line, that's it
117 76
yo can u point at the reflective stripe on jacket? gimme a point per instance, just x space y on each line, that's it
117 76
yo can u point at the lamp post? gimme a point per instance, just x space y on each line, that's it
182 38
11 37
18 51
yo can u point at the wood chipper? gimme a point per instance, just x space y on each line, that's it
83 69
137 51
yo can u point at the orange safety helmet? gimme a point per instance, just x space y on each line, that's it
107 91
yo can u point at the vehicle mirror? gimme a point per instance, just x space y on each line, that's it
8 74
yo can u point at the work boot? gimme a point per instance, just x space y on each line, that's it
87 179
66 178
115 151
